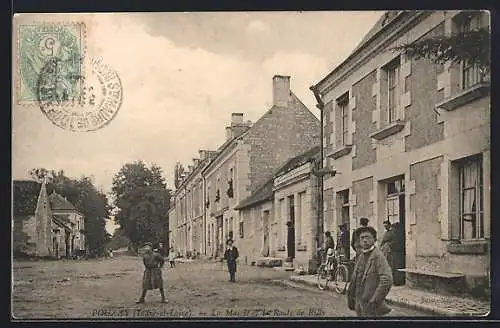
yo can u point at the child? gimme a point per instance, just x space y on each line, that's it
171 257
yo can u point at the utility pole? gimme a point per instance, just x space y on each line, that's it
320 172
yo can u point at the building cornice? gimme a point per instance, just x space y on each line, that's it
370 49
221 158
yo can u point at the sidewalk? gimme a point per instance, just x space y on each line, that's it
423 301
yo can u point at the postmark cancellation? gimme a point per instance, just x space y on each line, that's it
74 91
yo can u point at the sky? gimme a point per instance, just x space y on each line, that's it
182 75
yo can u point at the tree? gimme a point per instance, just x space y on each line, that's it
142 202
82 193
472 47
118 240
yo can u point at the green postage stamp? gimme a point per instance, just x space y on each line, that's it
40 43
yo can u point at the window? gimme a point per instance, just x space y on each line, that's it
209 236
230 187
471 74
471 198
344 205
241 229
395 193
392 71
343 105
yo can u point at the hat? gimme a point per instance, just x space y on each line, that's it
229 240
330 252
148 244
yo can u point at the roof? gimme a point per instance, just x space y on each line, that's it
57 220
224 146
61 218
380 25
58 202
298 161
377 27
261 195
265 192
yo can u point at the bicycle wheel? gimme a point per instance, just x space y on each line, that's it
341 279
323 277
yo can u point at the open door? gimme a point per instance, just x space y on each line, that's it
265 226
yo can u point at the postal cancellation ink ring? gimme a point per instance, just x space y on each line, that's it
75 102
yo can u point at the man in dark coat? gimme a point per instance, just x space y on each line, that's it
387 241
152 278
371 280
343 242
363 222
231 255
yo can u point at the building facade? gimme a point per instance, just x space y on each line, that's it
411 140
250 158
188 218
280 219
46 225
243 164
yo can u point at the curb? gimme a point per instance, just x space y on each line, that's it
406 303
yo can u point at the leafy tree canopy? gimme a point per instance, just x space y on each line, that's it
82 193
142 202
472 47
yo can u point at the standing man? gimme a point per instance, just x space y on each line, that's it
386 243
342 242
371 280
363 222
231 255
152 278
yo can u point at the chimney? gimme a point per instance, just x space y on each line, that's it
281 90
203 154
236 118
196 161
229 133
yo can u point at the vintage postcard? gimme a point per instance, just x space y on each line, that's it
248 165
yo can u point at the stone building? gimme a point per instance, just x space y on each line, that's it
248 159
187 214
411 140
242 165
280 219
46 225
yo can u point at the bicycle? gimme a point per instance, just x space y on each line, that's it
340 274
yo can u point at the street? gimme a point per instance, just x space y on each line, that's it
108 288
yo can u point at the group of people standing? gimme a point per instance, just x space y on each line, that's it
375 268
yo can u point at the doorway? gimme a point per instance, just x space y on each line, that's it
291 229
265 226
219 243
395 213
66 241
55 247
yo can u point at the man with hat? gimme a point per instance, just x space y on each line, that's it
231 255
152 278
